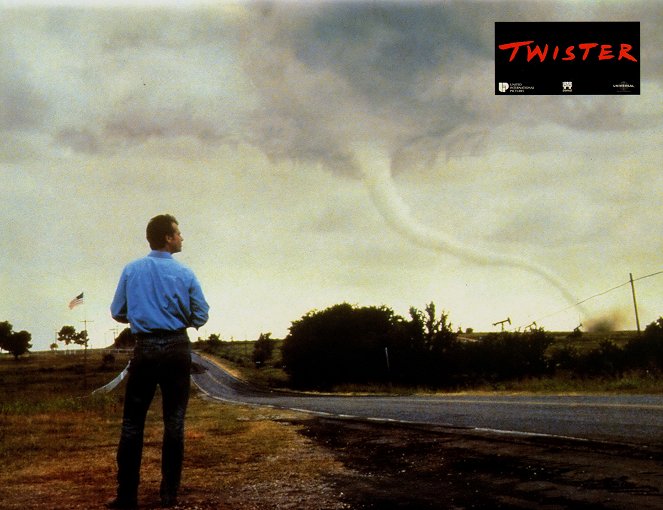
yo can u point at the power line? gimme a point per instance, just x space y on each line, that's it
600 294
643 277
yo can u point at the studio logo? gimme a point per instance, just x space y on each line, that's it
623 87
503 87
567 86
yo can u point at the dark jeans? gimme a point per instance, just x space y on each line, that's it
163 360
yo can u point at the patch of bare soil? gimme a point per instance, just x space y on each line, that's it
398 467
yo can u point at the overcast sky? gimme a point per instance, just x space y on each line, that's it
320 153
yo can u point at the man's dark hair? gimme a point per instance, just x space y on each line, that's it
158 228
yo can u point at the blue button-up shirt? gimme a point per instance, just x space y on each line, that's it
158 293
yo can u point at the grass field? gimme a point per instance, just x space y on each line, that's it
57 444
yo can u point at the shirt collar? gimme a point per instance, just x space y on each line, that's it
160 254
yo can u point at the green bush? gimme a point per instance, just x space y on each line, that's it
342 344
345 344
646 351
507 355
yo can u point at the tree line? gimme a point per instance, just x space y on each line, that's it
643 352
345 344
19 343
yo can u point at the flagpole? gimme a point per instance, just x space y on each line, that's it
85 321
80 300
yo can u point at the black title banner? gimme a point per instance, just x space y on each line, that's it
550 58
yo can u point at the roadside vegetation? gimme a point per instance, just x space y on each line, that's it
371 349
58 442
360 349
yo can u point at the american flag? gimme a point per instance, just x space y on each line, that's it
78 300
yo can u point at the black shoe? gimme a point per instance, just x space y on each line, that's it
126 504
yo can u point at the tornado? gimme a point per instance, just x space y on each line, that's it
375 169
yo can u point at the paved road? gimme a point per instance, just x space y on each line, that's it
636 419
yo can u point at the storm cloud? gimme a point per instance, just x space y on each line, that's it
244 120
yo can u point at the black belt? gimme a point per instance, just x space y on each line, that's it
161 333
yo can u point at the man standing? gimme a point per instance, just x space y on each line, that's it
159 298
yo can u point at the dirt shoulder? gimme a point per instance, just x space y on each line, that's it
397 467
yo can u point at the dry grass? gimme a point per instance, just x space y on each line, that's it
57 451
57 447
255 460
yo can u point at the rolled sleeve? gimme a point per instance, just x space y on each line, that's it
119 306
199 306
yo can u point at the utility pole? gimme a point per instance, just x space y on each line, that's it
635 303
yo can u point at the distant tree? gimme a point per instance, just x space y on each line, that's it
214 340
17 343
348 344
507 355
5 330
428 327
342 344
608 359
69 335
646 350
424 349
212 344
565 358
655 328
54 346
263 349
